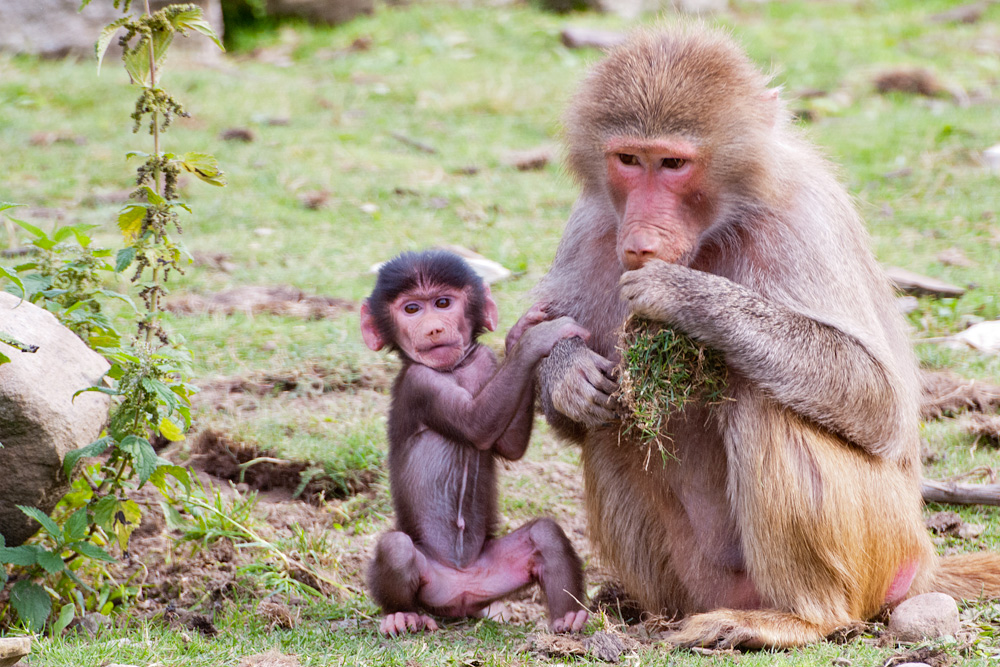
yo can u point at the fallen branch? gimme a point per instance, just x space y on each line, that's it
959 494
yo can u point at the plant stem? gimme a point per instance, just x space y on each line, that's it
154 304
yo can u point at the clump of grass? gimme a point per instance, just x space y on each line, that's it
662 370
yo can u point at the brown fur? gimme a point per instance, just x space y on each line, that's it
792 507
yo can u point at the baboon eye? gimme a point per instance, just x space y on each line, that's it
673 162
628 159
410 308
443 302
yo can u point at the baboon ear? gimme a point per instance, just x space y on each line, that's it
369 329
491 314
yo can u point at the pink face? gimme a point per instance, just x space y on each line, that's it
656 188
432 327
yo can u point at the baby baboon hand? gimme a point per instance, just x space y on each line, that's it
573 621
403 622
539 312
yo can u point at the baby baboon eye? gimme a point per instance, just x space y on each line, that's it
673 162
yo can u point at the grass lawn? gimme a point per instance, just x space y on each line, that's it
327 108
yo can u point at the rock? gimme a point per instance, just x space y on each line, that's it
54 28
992 157
40 420
531 159
984 337
927 616
332 12
583 38
916 284
13 649
964 14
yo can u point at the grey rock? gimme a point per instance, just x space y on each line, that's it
927 616
13 649
39 419
332 12
54 28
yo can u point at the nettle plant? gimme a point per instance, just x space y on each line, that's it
150 394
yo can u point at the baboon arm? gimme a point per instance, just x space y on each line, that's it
814 368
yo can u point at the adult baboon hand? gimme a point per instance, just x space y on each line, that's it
576 382
658 290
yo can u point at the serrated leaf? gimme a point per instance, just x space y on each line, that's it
170 430
152 196
7 339
144 458
104 41
181 474
124 259
12 276
92 551
204 166
31 603
130 221
41 517
104 512
66 615
193 19
35 231
76 525
51 562
96 448
137 60
25 555
125 521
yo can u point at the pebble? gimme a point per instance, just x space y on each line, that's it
927 616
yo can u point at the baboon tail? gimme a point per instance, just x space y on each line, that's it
969 576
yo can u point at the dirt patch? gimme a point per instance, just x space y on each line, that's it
944 393
309 382
214 261
272 299
917 81
262 470
273 658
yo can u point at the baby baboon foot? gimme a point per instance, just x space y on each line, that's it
404 622
717 629
573 621
497 611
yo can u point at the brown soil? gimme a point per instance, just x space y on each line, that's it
272 299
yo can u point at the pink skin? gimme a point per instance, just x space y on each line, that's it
431 326
506 565
655 188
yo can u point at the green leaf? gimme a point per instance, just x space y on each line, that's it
159 478
104 512
35 231
152 196
107 34
4 359
195 20
25 555
91 551
126 520
16 344
76 525
41 517
12 276
144 458
204 166
125 258
66 615
32 604
4 205
96 448
137 59
130 221
51 561
170 430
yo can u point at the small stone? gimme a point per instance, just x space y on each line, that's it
927 616
13 649
992 157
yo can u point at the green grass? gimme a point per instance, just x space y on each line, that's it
475 82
